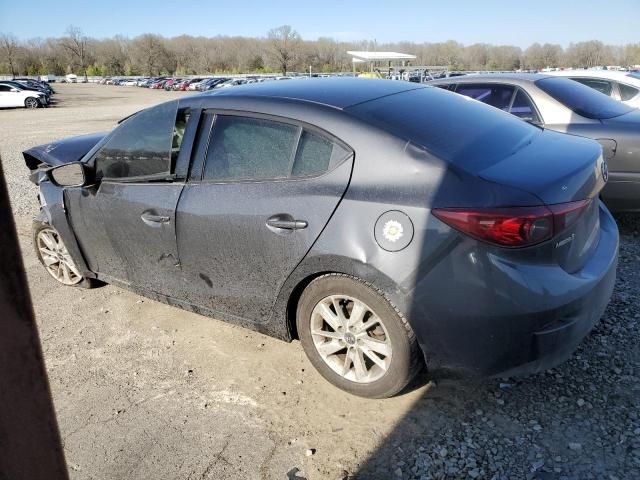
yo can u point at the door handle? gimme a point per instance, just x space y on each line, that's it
286 224
149 218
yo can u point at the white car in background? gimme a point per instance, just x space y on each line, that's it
13 96
622 86
194 85
130 83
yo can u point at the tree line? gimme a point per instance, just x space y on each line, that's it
281 50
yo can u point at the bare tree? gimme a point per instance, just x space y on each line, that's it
284 43
150 53
76 45
282 50
9 50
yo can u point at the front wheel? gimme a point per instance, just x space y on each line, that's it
356 338
55 258
31 102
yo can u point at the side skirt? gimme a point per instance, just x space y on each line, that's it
274 329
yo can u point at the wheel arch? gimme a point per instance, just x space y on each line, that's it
317 266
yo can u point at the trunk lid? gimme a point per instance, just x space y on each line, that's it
557 168
560 169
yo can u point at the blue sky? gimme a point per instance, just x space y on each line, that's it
514 22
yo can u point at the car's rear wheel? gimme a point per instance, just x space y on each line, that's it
55 257
31 102
355 337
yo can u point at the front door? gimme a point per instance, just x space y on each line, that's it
125 223
265 192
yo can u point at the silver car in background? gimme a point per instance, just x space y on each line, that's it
566 106
621 86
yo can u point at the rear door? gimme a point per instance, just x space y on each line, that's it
255 203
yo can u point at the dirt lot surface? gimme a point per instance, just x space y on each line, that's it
143 390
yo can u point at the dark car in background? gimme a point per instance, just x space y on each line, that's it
211 83
384 224
566 106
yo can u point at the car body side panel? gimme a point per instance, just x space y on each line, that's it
622 191
118 239
232 261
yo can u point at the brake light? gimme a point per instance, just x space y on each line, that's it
513 226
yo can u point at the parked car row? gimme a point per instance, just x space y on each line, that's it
282 208
200 84
25 92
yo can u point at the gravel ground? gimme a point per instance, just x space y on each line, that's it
144 390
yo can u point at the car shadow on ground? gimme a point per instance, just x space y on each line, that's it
579 420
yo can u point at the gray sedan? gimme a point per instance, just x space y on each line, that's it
387 225
566 106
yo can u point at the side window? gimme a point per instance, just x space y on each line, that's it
523 108
601 86
446 86
142 146
316 154
5 88
498 96
627 92
249 148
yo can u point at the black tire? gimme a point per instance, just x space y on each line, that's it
37 228
406 360
31 102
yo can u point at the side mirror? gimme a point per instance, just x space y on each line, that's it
15 90
69 175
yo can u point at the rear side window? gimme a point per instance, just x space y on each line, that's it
249 148
581 99
315 154
498 96
523 108
601 86
246 148
627 92
142 146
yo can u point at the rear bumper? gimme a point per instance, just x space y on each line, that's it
503 318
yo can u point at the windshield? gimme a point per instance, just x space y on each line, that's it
581 99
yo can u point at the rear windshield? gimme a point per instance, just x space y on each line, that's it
454 128
581 99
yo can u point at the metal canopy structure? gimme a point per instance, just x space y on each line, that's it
379 56
360 57
373 57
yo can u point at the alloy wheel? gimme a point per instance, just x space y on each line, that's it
350 338
31 103
56 258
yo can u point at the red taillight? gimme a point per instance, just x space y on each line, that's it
513 226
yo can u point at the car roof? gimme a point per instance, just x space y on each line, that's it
337 93
521 78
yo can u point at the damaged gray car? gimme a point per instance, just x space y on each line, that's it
386 225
